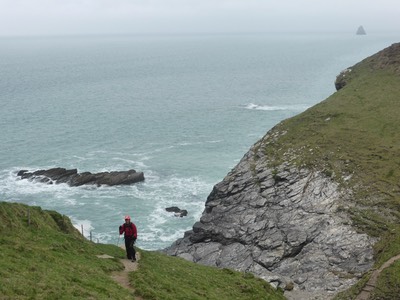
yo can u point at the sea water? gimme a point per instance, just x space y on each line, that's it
182 109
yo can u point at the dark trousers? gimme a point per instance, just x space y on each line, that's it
130 250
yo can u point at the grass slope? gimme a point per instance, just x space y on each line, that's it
49 259
354 137
164 277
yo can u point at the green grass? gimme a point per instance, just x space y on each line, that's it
388 283
354 138
163 277
49 259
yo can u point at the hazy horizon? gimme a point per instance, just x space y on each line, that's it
157 17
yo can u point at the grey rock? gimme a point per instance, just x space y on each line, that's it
342 79
282 224
177 211
361 30
73 178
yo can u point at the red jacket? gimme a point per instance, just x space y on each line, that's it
129 230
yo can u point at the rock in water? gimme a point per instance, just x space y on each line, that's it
361 31
73 178
177 211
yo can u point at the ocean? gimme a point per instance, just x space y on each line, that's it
183 109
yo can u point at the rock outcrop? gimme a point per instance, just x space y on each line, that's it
177 211
387 59
341 79
283 224
297 208
360 31
73 178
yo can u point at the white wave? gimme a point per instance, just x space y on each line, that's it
103 237
79 158
214 142
13 185
173 237
190 143
101 209
70 202
159 228
161 237
136 164
85 225
294 107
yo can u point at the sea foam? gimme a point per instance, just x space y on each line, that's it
294 107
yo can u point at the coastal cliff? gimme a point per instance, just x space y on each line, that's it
308 203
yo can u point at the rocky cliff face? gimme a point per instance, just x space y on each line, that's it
282 224
281 212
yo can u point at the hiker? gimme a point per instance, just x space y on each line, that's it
130 235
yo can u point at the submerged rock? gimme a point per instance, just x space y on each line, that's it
73 178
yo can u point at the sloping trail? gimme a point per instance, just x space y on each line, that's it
122 277
371 284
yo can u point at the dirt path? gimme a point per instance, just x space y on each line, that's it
370 286
122 277
364 295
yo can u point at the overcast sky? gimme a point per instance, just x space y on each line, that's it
57 17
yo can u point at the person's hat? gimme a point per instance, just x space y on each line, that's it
127 218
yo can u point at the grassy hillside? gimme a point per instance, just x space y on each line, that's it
170 278
354 137
49 259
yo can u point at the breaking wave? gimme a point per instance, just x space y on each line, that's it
294 107
98 211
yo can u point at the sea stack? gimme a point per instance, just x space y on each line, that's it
361 31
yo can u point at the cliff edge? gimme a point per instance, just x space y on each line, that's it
305 206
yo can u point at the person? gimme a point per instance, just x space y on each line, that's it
130 235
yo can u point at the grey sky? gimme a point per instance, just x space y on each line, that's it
53 17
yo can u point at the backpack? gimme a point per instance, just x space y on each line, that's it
129 230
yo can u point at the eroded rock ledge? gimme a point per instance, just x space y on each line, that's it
283 224
73 178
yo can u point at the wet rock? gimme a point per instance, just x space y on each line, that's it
177 211
73 178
